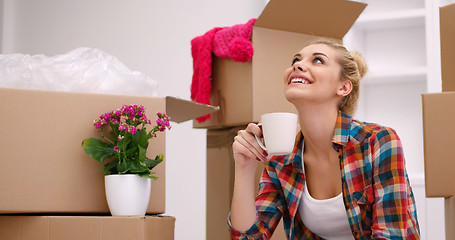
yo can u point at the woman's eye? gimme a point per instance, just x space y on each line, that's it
295 60
318 60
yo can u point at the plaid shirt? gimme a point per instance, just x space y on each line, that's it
378 197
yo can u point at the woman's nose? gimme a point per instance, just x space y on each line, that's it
300 66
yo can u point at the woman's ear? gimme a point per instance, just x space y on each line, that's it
344 88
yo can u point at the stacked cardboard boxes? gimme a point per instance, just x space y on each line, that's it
438 130
245 91
45 171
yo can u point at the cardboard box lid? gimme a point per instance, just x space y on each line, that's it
447 19
180 110
328 18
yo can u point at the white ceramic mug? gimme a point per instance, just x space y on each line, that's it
279 130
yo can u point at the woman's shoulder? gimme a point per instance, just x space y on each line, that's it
369 130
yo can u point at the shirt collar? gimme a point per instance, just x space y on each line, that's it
296 155
341 134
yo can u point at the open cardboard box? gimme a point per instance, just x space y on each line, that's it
86 228
439 117
245 91
44 168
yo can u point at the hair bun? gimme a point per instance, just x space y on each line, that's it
362 66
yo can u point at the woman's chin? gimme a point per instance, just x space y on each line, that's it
293 96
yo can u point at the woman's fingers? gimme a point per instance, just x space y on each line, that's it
255 130
245 143
245 148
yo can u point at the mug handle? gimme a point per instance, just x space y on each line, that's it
259 141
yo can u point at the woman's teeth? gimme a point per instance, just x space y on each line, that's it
300 80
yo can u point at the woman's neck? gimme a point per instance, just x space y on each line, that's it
318 125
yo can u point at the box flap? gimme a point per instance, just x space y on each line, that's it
327 18
447 19
180 110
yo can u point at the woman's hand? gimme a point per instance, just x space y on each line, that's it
247 151
247 154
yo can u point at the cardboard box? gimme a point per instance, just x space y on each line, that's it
446 20
245 91
220 183
439 117
86 228
439 151
449 208
44 168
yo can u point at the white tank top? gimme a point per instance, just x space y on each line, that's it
326 218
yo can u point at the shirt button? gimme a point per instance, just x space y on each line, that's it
356 234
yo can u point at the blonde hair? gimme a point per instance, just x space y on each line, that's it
353 68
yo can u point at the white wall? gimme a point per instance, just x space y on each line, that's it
149 36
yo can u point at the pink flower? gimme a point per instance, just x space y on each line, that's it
123 127
133 130
116 149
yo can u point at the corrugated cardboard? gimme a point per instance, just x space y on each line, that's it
439 117
44 168
449 208
220 183
86 228
439 150
447 19
245 91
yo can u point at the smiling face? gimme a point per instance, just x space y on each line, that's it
314 77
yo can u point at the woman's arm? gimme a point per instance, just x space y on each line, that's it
247 153
393 210
243 208
269 205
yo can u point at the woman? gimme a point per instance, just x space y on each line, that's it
345 179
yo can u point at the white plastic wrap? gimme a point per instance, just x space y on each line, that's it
80 70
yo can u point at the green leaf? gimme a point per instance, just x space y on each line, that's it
111 167
132 150
142 152
151 163
148 175
98 149
141 138
137 167
124 166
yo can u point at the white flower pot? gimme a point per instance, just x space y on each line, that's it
127 194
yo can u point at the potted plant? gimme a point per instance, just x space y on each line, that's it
123 150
